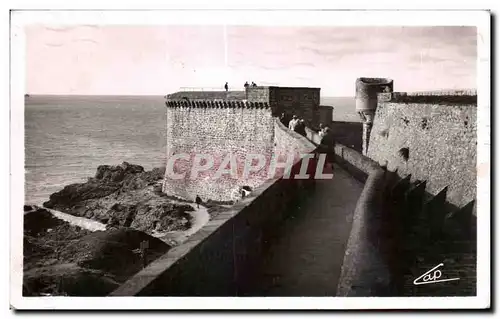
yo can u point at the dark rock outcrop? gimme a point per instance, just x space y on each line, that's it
114 251
62 259
117 173
67 280
123 196
108 180
79 192
44 236
94 264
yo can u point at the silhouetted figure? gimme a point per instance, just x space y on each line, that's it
284 119
246 85
198 201
301 127
144 250
326 137
226 86
321 131
327 145
253 84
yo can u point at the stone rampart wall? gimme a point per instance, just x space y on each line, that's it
432 136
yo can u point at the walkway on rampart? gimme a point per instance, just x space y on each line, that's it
306 255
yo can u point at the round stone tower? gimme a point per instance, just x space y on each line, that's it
366 102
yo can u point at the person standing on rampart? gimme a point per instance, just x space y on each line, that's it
246 85
284 119
293 122
198 201
327 145
301 127
326 137
226 86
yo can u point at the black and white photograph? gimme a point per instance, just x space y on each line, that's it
312 156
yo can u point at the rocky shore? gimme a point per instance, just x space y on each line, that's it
124 195
61 258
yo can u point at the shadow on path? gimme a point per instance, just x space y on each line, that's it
305 254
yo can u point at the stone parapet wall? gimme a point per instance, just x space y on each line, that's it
290 142
366 271
400 231
258 94
454 97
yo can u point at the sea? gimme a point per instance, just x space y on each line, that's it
68 137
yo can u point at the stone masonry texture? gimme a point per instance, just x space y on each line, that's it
441 140
216 132
219 126
303 102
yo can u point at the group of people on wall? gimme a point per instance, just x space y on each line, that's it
246 85
298 125
295 124
326 142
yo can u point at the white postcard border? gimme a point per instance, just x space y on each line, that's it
481 19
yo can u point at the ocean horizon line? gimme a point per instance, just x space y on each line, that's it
137 95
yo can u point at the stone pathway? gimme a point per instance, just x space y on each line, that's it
305 256
85 223
200 217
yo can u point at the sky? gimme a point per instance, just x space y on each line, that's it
157 60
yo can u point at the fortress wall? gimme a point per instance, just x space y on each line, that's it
216 131
326 115
220 258
348 133
439 130
258 94
303 102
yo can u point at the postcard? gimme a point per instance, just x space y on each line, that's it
213 159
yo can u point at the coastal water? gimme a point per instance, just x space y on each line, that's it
67 137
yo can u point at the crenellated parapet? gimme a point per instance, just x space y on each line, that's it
235 104
455 97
